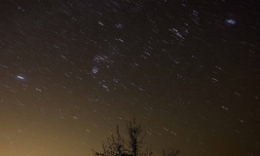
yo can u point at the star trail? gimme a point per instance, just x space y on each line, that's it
71 70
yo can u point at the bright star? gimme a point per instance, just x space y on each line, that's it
20 77
230 21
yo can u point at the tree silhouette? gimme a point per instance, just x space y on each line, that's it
116 145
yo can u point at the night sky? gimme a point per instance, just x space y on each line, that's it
71 70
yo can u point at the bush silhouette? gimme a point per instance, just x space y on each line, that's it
116 145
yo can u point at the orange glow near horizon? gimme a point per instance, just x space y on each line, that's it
72 70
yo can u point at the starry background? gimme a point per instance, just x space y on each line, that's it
71 70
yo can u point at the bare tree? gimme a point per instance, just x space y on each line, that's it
118 146
114 146
135 139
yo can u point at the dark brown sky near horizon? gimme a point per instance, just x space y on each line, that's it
71 70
